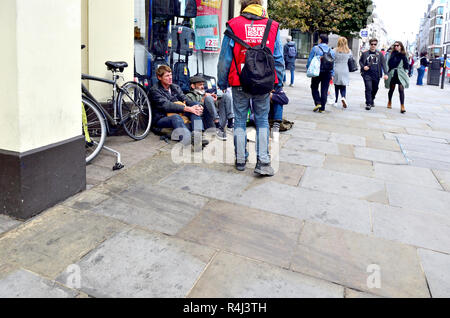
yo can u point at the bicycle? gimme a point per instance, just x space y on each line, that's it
131 110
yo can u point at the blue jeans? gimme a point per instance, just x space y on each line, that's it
181 132
261 107
420 74
276 112
292 69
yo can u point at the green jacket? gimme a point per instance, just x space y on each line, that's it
402 76
194 96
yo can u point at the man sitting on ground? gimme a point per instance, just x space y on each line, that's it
209 101
171 108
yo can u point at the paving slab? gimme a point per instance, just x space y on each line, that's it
24 284
406 174
231 276
422 229
139 264
153 207
347 139
312 146
303 158
207 182
287 173
360 262
303 125
443 178
342 183
429 133
419 198
55 239
383 144
306 204
378 155
249 232
7 223
419 140
412 155
313 134
436 267
86 200
432 164
350 293
349 165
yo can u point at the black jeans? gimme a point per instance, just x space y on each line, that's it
324 81
342 89
371 89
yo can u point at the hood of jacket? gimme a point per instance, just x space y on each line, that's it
255 12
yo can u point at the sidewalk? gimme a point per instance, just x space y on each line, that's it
360 207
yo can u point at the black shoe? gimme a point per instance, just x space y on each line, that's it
240 166
230 124
368 107
264 169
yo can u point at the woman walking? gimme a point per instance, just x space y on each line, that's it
341 71
398 74
421 70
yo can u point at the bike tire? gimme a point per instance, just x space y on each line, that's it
96 128
135 110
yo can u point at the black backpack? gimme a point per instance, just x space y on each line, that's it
181 76
163 8
326 61
160 39
258 74
185 9
183 40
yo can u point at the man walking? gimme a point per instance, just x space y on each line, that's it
326 72
373 66
249 27
290 54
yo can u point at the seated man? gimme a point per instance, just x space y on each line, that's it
211 118
167 98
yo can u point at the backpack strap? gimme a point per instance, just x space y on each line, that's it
266 32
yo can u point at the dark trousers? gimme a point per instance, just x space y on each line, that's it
371 89
342 89
181 131
324 81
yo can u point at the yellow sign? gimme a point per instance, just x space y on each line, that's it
212 3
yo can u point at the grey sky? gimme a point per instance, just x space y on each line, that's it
401 17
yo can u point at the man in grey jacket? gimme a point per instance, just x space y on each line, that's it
373 67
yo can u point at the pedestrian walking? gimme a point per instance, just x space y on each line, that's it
327 58
247 34
290 54
373 67
341 71
421 70
398 66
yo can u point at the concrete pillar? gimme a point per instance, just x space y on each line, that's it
42 156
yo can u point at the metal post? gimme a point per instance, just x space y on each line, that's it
444 70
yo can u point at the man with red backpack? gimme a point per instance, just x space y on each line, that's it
251 62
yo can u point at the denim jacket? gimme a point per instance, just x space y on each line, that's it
226 58
316 51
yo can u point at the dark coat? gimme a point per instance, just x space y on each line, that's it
163 101
382 69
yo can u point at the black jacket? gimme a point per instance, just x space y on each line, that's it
163 101
381 65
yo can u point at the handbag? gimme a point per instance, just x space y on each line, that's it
352 67
314 67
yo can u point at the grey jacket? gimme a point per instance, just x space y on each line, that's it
382 69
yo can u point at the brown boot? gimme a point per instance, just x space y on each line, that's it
402 109
389 105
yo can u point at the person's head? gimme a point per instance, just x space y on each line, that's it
382 50
323 38
164 75
289 38
342 45
399 47
198 84
246 3
423 54
373 44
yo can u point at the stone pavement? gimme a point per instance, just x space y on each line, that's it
360 207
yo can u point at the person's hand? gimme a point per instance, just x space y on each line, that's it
224 91
385 77
214 96
366 68
196 110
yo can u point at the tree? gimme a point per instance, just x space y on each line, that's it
337 16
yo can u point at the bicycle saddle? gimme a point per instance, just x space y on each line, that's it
114 66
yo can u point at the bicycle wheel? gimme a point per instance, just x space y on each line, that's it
94 129
134 110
